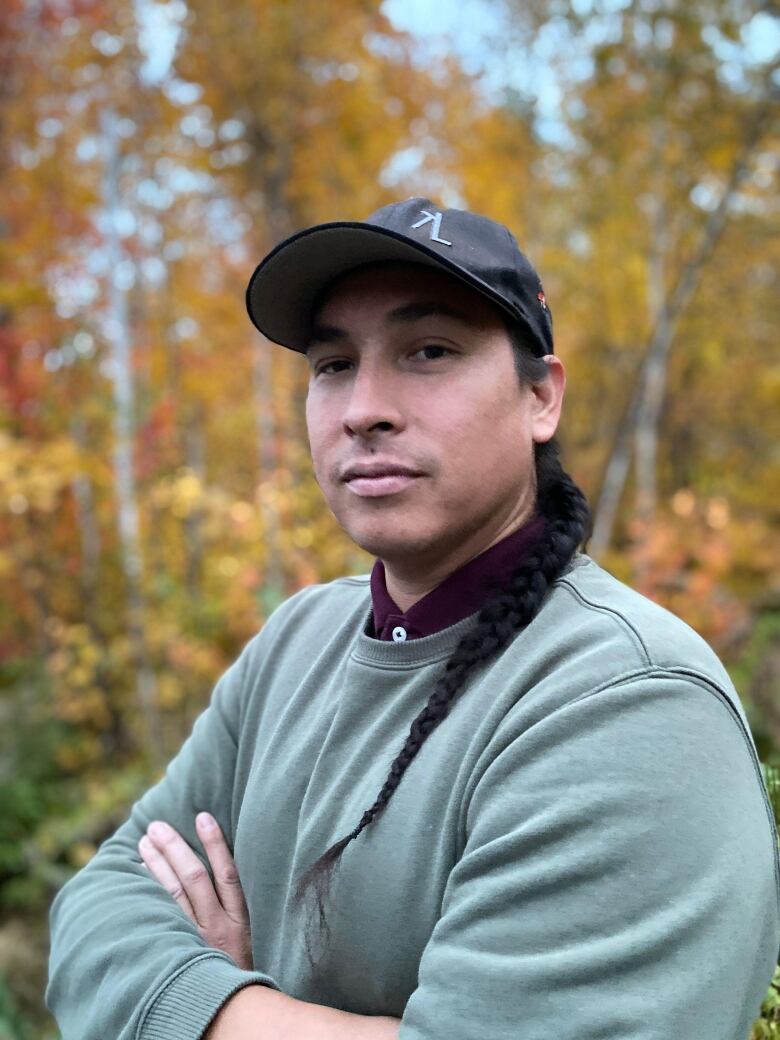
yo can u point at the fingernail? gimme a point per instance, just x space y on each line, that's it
144 843
205 820
157 830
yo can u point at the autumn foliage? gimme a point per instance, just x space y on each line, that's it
156 495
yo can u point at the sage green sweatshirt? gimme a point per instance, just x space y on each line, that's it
583 849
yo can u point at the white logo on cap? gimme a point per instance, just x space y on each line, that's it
435 219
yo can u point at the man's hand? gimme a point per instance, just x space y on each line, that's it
220 915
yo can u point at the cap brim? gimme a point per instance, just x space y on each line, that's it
285 285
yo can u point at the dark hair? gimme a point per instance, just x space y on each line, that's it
514 605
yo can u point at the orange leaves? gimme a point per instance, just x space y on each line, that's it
697 559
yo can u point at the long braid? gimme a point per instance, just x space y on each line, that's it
515 603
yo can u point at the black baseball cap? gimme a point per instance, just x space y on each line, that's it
482 253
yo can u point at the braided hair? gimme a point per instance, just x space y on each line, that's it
515 602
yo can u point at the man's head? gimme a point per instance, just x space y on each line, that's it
416 324
410 370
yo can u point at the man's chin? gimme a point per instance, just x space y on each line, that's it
387 542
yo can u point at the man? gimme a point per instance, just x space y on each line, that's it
487 791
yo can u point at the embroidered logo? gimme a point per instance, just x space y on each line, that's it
541 298
435 219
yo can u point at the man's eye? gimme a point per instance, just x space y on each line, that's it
436 349
327 367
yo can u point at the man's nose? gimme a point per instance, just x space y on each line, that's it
373 403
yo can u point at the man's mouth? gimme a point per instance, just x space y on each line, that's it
387 484
375 478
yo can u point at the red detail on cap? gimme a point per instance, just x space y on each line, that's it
541 298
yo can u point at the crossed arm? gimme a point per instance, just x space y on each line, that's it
220 913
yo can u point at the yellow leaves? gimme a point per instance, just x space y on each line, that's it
170 692
75 669
228 566
181 494
241 513
185 494
302 537
69 759
715 511
81 852
82 706
34 475
182 662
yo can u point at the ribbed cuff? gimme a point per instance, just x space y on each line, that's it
189 1001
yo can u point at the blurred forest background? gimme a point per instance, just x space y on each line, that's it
156 498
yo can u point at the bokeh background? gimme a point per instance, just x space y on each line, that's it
156 496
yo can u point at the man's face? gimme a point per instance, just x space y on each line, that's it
411 370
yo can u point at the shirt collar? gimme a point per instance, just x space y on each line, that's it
460 594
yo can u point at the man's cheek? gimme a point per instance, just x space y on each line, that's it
319 462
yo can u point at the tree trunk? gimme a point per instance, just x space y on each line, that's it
647 399
119 339
265 360
89 531
195 459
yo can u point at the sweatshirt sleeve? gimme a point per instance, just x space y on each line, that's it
126 963
619 878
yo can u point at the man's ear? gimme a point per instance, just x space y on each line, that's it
548 400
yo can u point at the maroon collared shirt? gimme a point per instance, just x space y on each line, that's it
461 593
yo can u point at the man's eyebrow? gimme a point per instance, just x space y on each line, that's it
407 314
417 311
325 334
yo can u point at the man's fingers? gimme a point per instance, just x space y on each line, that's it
226 877
189 870
159 868
224 925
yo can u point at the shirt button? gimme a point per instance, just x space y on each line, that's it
399 634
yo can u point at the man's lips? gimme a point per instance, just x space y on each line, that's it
376 478
387 484
378 468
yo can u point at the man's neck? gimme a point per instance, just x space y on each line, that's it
406 585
